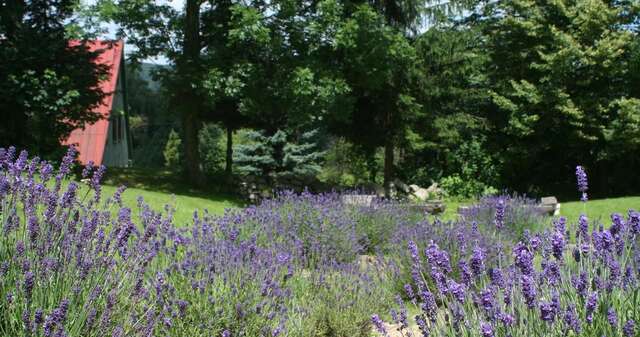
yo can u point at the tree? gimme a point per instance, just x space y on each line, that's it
238 64
159 30
49 88
562 87
275 159
454 101
378 64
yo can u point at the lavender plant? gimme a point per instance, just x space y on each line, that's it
73 263
508 214
578 281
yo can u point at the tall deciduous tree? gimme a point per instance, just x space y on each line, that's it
159 30
378 64
50 87
562 86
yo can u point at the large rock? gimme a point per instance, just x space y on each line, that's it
421 194
424 194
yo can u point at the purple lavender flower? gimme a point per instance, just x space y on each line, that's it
634 221
409 292
487 299
496 277
551 272
557 244
571 319
629 278
457 290
547 312
379 324
413 249
506 319
87 169
428 304
617 224
583 228
629 328
26 319
226 333
38 317
528 290
422 325
580 283
465 272
28 284
33 228
612 317
592 303
438 257
500 212
477 261
523 258
486 329
583 186
118 332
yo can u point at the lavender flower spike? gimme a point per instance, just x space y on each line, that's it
379 325
486 329
629 328
583 185
499 216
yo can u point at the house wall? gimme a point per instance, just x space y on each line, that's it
116 152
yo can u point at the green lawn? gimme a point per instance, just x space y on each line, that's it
595 209
184 204
161 187
599 209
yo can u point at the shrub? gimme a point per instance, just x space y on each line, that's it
73 263
172 150
520 213
211 152
569 280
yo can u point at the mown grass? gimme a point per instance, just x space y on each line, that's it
184 205
599 209
161 187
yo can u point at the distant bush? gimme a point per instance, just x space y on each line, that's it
172 151
211 152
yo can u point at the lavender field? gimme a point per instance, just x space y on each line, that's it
77 263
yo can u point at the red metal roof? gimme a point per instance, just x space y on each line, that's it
91 140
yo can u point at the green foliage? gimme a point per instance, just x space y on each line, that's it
150 119
48 88
560 71
211 152
172 150
477 171
451 91
275 158
344 165
342 306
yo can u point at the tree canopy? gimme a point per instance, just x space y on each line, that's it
48 87
506 94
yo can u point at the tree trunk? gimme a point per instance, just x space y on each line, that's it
229 159
388 165
188 100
